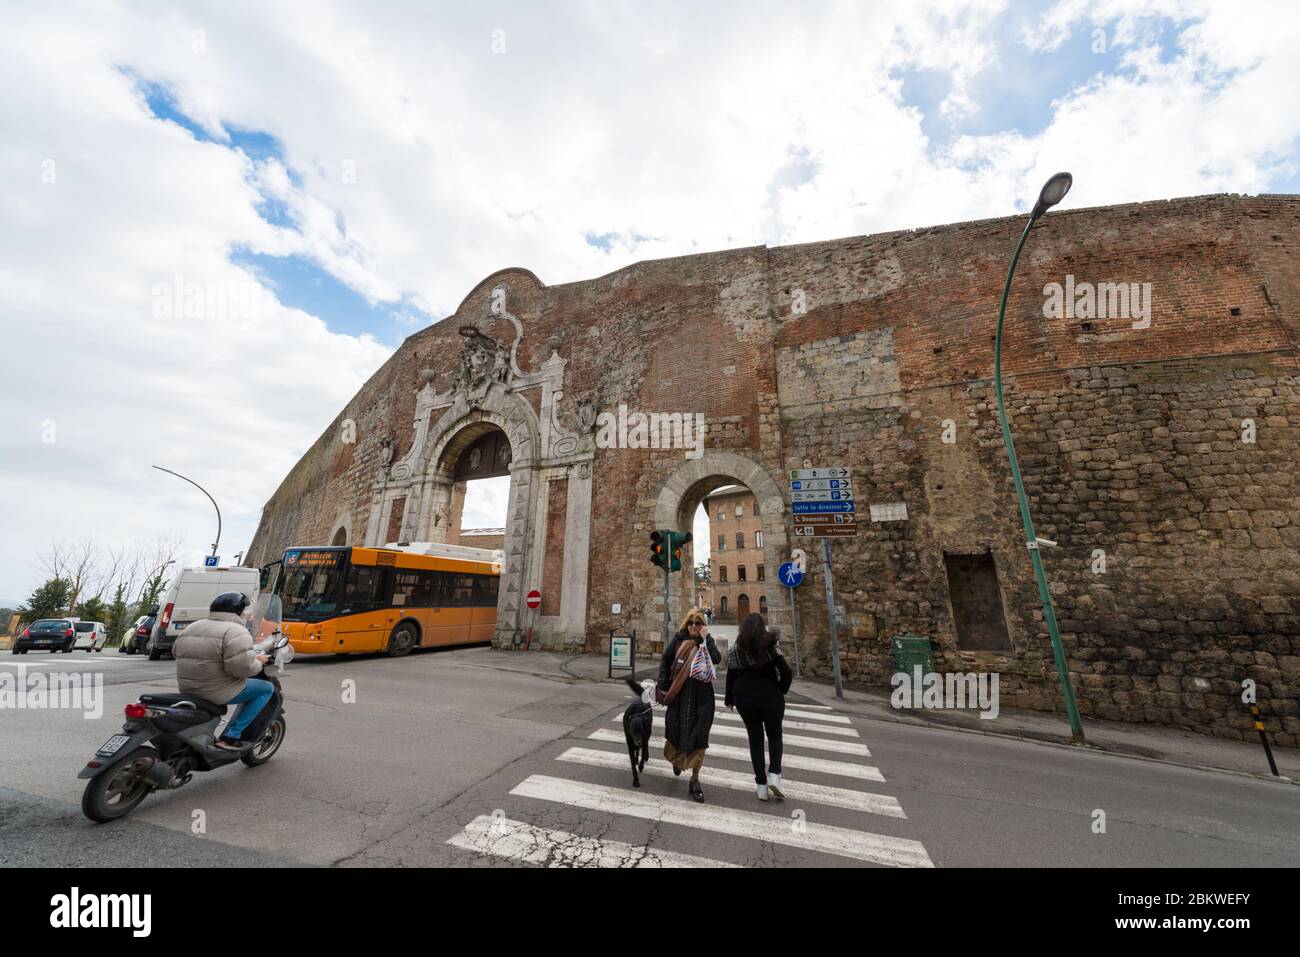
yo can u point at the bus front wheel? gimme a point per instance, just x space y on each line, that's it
402 641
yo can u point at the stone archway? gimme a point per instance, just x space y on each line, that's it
681 496
449 439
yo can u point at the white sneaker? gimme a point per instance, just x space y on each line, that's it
774 785
762 792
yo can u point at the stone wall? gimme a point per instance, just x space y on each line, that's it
876 352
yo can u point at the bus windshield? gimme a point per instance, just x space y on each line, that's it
309 584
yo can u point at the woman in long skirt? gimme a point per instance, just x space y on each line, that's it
690 714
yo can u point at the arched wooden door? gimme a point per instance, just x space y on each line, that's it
742 606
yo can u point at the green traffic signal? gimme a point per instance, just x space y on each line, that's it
678 540
659 544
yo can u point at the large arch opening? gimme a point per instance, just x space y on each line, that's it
494 443
731 574
704 496
480 492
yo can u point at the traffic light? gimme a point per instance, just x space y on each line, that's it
659 545
679 539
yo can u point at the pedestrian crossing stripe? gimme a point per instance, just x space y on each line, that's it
815 712
798 740
797 833
529 844
797 725
799 762
807 707
863 801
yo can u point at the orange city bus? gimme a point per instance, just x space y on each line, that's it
345 600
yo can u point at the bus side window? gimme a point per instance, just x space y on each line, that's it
485 591
459 591
427 594
365 589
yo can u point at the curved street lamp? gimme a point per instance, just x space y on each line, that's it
1053 192
205 492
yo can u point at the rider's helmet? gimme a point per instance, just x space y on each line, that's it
230 602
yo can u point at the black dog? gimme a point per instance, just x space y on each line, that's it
638 724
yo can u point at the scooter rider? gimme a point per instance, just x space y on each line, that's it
216 661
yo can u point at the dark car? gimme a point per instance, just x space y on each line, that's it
140 638
47 634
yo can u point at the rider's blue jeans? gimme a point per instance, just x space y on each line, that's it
257 692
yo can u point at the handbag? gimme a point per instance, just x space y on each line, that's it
702 666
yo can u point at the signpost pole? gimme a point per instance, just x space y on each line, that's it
830 613
794 630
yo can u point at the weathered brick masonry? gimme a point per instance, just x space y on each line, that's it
1134 443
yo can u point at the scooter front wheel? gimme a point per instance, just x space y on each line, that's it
118 791
262 752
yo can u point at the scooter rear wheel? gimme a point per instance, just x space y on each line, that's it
263 751
118 791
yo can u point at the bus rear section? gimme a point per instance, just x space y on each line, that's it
355 600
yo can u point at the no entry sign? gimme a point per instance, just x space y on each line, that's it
534 598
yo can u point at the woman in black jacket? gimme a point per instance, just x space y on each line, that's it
757 681
690 714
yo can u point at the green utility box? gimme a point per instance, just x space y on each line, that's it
910 651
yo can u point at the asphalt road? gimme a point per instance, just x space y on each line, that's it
449 758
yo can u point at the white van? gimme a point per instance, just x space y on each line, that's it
187 598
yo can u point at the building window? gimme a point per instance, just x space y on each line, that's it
758 539
722 574
976 603
740 511
740 573
762 604
722 516
722 543
722 605
740 539
755 506
761 577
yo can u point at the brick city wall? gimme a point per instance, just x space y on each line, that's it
876 352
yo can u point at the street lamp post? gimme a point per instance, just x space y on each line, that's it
1053 192
205 492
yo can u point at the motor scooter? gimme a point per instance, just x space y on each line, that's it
169 737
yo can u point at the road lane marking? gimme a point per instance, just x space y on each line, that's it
799 762
794 790
518 841
841 841
798 740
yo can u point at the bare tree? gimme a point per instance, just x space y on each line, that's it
77 564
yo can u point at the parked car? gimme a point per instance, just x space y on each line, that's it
187 599
47 634
129 633
139 636
90 635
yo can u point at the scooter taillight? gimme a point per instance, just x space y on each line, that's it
135 711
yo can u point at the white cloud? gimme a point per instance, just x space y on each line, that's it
691 128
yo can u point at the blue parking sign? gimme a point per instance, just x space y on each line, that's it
210 561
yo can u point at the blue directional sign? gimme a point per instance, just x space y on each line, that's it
806 485
812 508
789 575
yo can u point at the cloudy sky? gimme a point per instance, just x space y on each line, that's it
220 218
